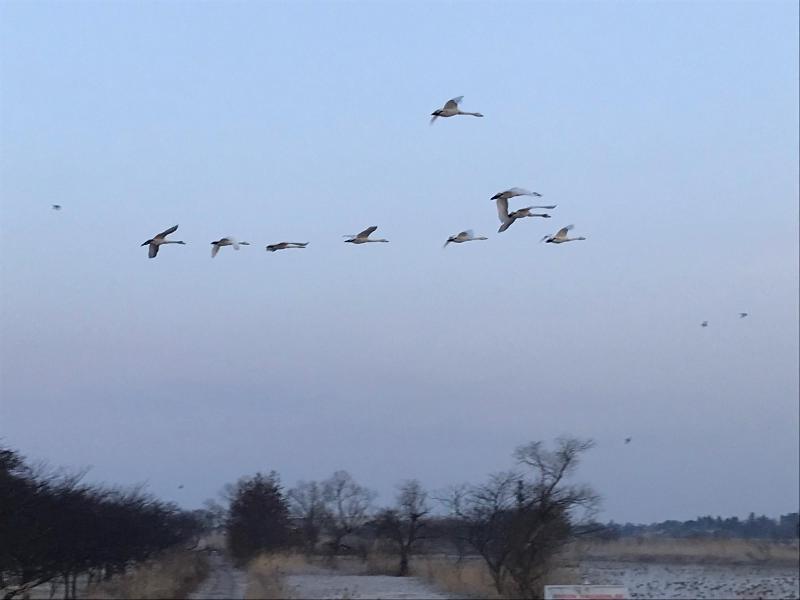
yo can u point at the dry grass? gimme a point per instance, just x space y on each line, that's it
695 551
265 575
172 575
466 579
378 563
470 578
215 540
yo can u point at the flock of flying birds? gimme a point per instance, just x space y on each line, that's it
450 109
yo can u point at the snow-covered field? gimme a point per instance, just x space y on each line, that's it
378 587
679 581
652 580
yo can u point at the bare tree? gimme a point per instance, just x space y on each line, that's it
518 520
485 510
306 503
347 507
453 527
404 525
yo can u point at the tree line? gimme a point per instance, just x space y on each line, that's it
785 527
515 521
55 526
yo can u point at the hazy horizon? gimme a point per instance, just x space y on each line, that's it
666 132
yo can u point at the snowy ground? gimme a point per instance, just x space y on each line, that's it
643 580
717 582
380 587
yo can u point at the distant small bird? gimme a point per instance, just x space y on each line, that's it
506 218
561 236
464 236
704 324
180 487
226 241
56 207
516 191
159 240
742 315
286 246
628 440
363 237
451 109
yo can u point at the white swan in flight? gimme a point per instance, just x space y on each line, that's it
561 236
464 236
286 246
159 240
451 109
515 191
226 241
506 218
363 237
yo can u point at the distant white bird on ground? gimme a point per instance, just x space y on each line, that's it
56 207
226 241
451 109
515 191
363 237
464 236
743 315
506 218
704 324
159 240
561 236
286 246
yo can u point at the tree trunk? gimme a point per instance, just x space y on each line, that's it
403 562
497 577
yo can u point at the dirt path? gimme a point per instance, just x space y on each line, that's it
223 582
330 586
227 582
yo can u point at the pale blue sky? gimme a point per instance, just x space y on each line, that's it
667 132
